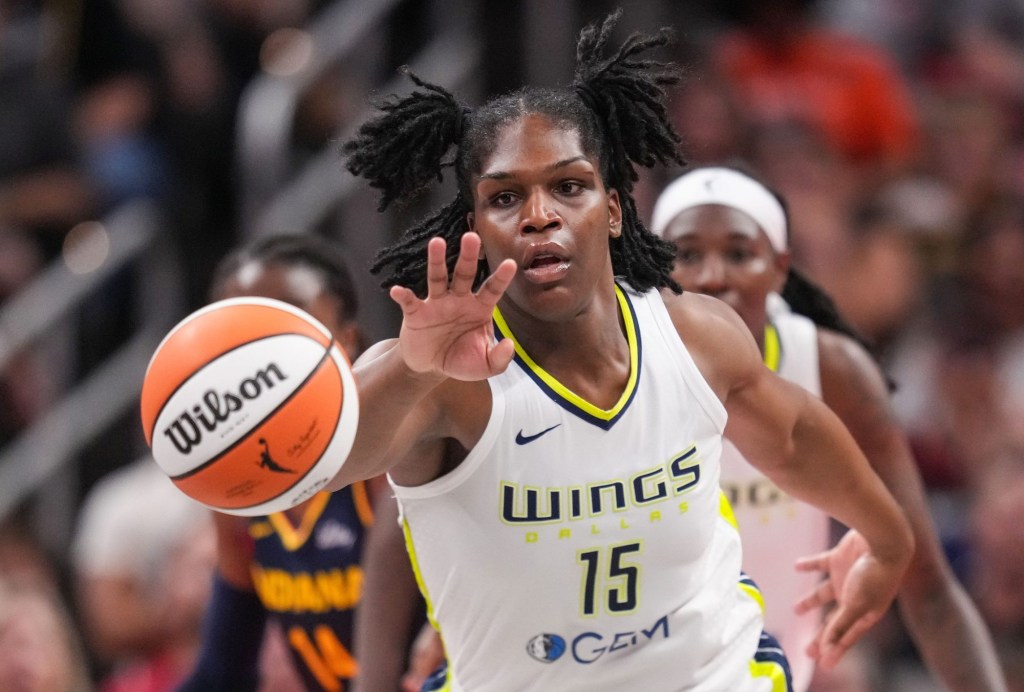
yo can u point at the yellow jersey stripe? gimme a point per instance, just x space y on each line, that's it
772 347
771 670
362 502
294 537
564 393
725 510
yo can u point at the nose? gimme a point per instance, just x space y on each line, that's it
539 213
711 276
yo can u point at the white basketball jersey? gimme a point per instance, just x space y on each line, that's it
775 528
577 548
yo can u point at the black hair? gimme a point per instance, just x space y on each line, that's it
305 250
616 105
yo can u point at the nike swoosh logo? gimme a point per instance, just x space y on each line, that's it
522 439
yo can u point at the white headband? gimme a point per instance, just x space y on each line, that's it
729 188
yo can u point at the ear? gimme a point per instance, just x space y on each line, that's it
781 266
614 214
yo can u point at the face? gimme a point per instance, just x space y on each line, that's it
33 657
722 252
298 285
541 201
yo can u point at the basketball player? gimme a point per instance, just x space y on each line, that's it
302 568
563 510
730 234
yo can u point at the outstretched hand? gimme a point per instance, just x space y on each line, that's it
861 586
450 332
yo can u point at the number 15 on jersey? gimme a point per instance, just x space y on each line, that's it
611 578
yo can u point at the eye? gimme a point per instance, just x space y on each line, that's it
686 255
503 199
739 254
569 187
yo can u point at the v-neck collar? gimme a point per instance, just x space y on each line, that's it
565 397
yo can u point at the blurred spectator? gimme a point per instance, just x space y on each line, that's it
39 647
143 562
820 187
22 561
43 191
880 245
708 120
161 84
997 565
968 142
785 68
960 369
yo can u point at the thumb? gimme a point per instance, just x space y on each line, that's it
500 355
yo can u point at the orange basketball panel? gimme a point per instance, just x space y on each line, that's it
293 440
207 336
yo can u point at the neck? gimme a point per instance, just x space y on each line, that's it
592 331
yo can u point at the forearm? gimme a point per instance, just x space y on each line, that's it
951 637
824 467
232 634
389 393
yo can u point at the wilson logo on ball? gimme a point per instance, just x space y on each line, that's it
249 406
185 434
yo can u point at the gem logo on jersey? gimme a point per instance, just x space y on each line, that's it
546 648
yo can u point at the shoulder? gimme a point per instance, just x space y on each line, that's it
694 311
716 338
852 383
842 360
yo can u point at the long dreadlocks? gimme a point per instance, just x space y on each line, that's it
616 104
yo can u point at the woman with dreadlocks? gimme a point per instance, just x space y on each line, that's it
551 414
731 238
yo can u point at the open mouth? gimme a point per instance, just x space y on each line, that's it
542 261
545 266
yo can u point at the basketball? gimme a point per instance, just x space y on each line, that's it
249 406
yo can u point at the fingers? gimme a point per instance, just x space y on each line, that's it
813 563
493 288
466 265
823 594
842 631
412 683
437 268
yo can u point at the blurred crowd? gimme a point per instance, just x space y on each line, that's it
893 128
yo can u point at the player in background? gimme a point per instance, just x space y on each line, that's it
731 239
563 511
301 568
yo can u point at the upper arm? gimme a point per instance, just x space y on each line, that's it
763 409
854 387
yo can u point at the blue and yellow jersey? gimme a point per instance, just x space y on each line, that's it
308 577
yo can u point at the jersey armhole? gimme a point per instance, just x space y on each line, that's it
454 478
699 387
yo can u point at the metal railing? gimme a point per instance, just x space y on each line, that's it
321 193
44 310
274 198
